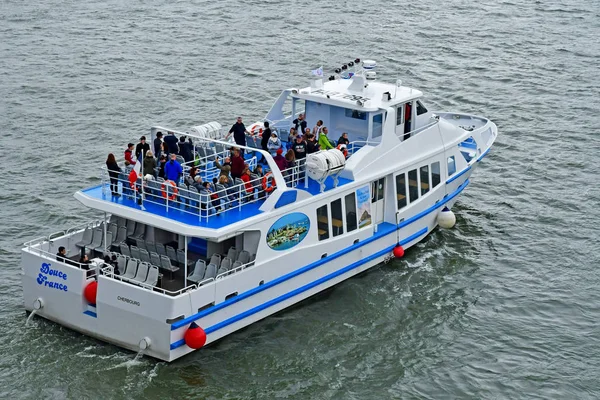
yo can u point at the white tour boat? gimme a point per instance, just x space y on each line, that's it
193 266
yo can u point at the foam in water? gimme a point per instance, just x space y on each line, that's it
30 317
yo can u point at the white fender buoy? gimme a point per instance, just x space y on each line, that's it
446 218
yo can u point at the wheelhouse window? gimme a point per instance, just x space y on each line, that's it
350 203
451 165
399 116
413 186
435 174
377 125
401 190
424 171
337 222
323 222
420 108
355 114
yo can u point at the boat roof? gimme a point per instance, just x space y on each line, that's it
357 93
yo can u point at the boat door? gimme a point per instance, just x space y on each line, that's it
407 120
377 199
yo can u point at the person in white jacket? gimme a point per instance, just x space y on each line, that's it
274 144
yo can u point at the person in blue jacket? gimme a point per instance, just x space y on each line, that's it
173 169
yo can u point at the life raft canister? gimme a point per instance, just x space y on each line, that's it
268 182
174 190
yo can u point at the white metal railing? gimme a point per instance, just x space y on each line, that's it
232 271
68 262
108 271
356 145
419 130
37 243
198 201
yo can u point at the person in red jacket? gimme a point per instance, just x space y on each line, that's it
249 186
129 154
237 164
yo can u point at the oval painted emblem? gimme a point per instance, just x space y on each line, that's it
288 231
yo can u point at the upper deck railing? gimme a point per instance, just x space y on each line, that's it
195 200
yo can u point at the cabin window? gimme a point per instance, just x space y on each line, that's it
399 116
424 179
401 190
435 174
337 222
355 114
451 165
323 222
377 190
420 108
350 203
377 125
413 186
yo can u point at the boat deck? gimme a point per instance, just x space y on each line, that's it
191 216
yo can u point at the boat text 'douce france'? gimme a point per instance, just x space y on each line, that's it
227 233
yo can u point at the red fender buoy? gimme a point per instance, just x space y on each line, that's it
398 251
90 292
195 337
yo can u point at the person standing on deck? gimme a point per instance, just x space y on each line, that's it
158 144
129 154
318 128
186 149
173 169
300 123
113 172
141 148
299 147
312 146
171 142
239 133
149 164
264 140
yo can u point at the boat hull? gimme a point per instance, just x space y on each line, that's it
125 315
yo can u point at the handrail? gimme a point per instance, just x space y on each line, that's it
71 263
419 130
50 237
234 195
222 275
108 271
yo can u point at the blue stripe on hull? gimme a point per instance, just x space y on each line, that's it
302 289
455 177
251 292
484 154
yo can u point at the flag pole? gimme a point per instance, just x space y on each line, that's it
142 194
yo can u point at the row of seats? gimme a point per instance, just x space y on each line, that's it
160 260
218 265
177 257
136 270
116 234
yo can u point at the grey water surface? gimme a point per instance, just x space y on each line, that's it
505 305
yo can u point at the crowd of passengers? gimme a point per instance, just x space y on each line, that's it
163 163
